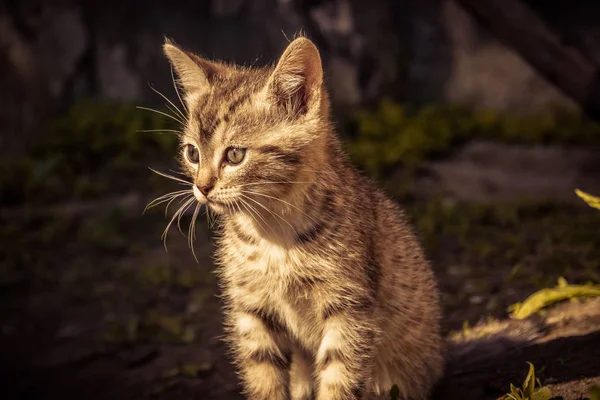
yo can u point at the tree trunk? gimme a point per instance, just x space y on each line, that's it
518 27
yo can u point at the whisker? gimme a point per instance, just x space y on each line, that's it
171 201
179 219
170 177
165 232
229 206
275 215
169 101
175 86
160 131
272 230
250 210
214 220
192 231
163 198
161 113
236 205
209 217
266 183
283 201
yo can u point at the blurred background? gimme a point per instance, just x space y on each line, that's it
480 116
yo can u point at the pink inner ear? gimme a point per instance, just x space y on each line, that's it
292 89
293 98
297 75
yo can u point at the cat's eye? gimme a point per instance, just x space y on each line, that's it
192 153
235 155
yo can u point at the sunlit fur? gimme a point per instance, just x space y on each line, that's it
327 293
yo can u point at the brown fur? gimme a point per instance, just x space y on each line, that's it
327 291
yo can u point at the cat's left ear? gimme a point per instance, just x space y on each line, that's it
196 74
296 82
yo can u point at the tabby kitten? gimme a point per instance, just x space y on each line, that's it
327 292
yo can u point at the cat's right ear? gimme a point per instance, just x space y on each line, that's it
195 73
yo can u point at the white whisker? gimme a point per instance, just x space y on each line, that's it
164 198
177 89
283 201
266 183
260 215
250 210
165 232
192 231
169 101
171 201
180 216
160 131
170 177
161 113
275 215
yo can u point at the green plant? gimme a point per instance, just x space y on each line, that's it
546 297
532 389
85 152
399 134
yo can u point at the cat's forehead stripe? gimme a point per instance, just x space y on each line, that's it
235 104
219 106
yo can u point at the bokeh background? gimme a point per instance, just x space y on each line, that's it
479 116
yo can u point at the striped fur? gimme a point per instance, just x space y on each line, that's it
327 292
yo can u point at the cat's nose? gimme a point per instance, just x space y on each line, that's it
205 189
205 182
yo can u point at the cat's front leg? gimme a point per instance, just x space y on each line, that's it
344 358
262 354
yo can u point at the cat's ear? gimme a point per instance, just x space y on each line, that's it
296 82
196 74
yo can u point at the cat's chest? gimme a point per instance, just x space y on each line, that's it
277 279
272 266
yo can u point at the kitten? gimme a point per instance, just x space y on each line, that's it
327 292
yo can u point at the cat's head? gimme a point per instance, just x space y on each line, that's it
250 132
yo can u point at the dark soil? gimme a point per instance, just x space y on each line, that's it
92 306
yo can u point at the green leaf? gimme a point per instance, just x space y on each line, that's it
542 393
529 383
515 391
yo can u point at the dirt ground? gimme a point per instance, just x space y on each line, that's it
92 306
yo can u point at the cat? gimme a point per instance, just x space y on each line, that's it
327 292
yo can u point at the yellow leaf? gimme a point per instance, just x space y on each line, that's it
592 201
546 297
562 282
